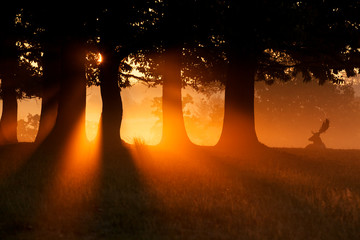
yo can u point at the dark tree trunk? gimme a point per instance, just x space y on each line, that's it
238 131
174 132
72 94
49 104
112 109
8 71
8 122
50 93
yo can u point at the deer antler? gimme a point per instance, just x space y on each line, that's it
324 126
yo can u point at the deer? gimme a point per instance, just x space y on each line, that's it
315 138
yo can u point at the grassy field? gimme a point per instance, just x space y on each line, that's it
149 193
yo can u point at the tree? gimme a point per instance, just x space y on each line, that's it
269 40
64 39
115 47
86 31
143 32
8 66
49 92
180 56
107 76
202 117
39 55
169 33
18 73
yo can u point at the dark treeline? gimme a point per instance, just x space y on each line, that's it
52 52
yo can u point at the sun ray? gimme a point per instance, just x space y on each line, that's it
73 188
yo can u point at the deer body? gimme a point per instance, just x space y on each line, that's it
315 138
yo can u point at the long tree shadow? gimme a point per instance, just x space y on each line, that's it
23 191
125 207
331 166
13 157
90 193
295 197
137 192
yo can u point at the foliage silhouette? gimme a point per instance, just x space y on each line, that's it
27 129
19 72
217 41
114 47
277 40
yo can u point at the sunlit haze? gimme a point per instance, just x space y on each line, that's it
165 119
203 115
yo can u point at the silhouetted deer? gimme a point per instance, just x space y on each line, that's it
315 138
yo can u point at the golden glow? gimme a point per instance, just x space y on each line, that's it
79 162
75 182
292 131
92 111
142 118
91 129
203 116
145 129
77 159
143 115
178 177
138 120
25 107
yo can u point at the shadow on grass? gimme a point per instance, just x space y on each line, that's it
41 201
125 207
291 196
141 192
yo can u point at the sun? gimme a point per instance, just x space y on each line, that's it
99 58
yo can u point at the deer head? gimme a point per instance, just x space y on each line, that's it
316 135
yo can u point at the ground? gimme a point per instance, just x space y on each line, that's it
149 193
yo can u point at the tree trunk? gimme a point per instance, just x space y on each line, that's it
112 109
8 71
238 131
174 132
8 122
50 93
49 104
72 94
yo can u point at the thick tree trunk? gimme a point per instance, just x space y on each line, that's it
72 95
8 71
238 131
50 93
8 122
112 109
49 104
174 132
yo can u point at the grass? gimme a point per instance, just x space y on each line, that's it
150 193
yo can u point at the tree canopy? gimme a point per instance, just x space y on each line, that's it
213 43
